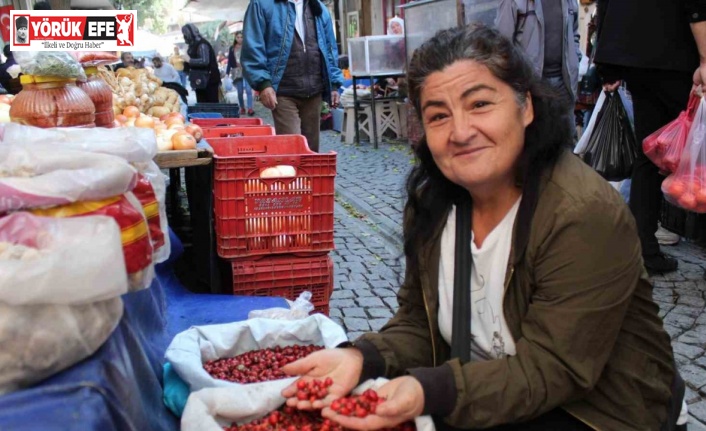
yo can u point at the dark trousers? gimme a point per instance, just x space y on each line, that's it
554 420
658 98
208 94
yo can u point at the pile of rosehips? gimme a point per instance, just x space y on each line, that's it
257 365
313 390
290 419
357 405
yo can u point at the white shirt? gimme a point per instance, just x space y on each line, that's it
167 73
491 337
299 23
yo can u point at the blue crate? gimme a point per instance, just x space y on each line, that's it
205 115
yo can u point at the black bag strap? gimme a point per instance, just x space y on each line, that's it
463 261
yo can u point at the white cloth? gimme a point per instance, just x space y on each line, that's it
491 338
167 73
299 22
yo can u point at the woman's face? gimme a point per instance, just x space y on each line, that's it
395 27
474 125
239 38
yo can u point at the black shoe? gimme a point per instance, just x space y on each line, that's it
660 263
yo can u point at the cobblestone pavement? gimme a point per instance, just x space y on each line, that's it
369 187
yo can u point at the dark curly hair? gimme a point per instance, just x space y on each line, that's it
429 193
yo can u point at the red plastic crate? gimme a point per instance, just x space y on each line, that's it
218 122
237 131
265 216
286 276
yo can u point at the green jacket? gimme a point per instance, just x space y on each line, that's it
578 304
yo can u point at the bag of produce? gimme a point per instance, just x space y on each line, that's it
41 340
201 347
45 175
686 187
127 211
58 64
52 315
34 252
664 147
216 409
136 145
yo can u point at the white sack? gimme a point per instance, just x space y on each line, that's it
73 260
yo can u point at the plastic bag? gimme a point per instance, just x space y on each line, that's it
50 63
159 185
134 144
612 147
41 340
192 348
212 409
127 211
299 309
664 147
586 136
97 58
45 175
42 275
686 187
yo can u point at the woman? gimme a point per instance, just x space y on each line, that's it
236 72
563 331
204 75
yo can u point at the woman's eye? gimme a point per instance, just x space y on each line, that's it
436 117
480 104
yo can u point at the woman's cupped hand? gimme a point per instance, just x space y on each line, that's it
343 366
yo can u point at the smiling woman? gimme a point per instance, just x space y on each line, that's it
525 304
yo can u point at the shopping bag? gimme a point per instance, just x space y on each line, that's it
686 187
612 148
213 409
664 147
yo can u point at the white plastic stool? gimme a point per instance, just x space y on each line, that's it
388 117
402 112
364 123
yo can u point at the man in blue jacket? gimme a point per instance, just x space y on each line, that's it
548 31
289 55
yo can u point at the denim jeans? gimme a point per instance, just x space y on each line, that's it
241 85
182 78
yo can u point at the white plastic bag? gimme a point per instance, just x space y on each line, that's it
75 260
190 349
45 175
212 409
159 184
134 144
40 340
588 130
298 309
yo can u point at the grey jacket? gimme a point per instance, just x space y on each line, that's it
531 38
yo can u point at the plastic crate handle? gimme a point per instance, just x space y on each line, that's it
279 159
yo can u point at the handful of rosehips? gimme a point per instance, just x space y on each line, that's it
290 419
258 365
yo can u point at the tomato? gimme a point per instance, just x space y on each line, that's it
676 188
183 141
687 201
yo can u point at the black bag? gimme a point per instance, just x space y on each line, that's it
612 147
199 78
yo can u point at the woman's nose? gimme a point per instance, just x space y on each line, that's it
463 128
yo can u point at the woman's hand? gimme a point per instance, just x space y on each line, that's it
404 401
343 366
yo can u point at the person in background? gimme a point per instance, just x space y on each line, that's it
293 68
548 31
204 75
9 68
660 52
126 60
165 71
42 5
525 305
395 55
177 61
236 73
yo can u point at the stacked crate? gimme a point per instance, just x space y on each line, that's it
275 227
